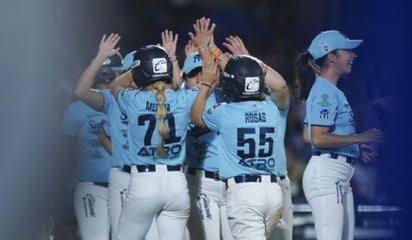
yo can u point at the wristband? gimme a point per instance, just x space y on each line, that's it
201 48
207 85
173 58
216 52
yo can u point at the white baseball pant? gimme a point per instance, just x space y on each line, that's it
162 195
284 228
90 206
326 184
253 208
208 218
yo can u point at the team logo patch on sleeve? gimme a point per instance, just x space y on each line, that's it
325 101
324 114
214 107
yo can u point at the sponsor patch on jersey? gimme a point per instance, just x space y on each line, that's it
324 114
159 65
324 102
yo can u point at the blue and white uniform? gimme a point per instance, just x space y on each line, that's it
158 188
117 129
284 228
90 196
208 218
326 179
248 138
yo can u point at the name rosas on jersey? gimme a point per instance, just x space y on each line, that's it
255 117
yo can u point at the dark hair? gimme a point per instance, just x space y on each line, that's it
306 69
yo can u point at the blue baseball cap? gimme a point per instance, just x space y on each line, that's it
126 62
192 61
328 41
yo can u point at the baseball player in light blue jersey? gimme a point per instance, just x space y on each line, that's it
115 134
330 129
90 195
284 228
208 218
158 119
117 123
247 141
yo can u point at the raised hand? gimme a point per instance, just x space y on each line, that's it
210 72
107 46
169 42
235 46
203 32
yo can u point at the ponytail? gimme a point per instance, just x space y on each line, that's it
306 69
161 114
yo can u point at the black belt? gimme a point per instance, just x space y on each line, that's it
208 174
101 184
350 160
150 168
127 168
252 178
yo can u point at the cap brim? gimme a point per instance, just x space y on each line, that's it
351 44
119 69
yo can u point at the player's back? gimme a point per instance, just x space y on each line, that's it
247 134
141 108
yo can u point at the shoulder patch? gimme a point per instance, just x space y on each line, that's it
214 107
324 114
325 101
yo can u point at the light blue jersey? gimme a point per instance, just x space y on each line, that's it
202 143
281 161
84 122
248 136
327 106
141 108
118 129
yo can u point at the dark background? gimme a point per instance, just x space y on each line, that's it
45 44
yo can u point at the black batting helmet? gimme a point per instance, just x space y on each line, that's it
115 62
105 75
242 78
151 64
